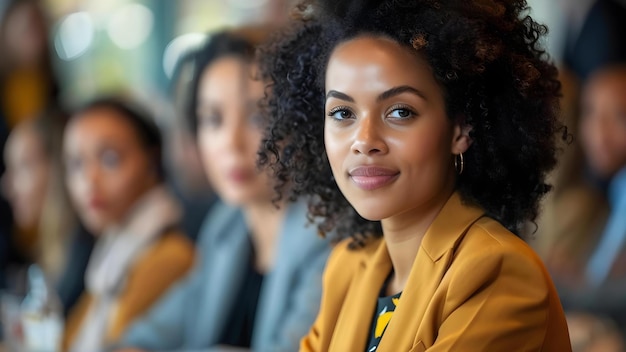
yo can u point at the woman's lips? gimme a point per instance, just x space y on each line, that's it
372 177
240 175
96 204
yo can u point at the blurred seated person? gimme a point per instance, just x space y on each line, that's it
590 333
573 213
27 87
34 185
27 80
258 285
598 286
112 154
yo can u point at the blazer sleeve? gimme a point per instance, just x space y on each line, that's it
498 300
169 260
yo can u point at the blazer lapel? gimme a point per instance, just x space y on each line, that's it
293 244
353 324
225 270
429 267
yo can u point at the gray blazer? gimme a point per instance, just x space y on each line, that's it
191 317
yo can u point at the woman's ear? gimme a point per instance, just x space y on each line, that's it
461 140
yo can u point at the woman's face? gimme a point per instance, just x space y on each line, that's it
25 34
603 122
26 177
230 129
388 138
108 168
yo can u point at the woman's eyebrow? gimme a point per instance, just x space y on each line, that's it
383 96
339 95
399 90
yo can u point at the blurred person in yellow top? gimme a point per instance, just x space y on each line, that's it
27 82
112 154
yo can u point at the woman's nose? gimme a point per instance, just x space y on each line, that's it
368 138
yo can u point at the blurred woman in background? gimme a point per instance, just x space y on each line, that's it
258 285
33 184
114 175
593 291
27 87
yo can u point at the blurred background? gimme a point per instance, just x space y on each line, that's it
134 45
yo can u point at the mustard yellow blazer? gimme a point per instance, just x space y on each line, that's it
166 261
474 286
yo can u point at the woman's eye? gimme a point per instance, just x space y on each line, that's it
110 159
401 113
340 114
210 120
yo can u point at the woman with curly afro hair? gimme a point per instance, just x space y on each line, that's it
423 131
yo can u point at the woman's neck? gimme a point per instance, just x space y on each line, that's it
403 236
264 221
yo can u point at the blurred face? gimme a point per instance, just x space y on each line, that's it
388 138
26 178
230 129
603 122
108 168
25 33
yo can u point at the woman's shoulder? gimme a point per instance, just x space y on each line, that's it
172 246
489 243
169 258
489 232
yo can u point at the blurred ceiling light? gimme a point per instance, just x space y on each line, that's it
178 47
74 35
248 4
130 25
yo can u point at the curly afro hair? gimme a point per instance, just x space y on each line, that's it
487 56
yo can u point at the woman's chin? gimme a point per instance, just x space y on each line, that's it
370 214
237 198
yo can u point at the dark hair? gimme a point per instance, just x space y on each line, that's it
221 44
49 126
179 88
142 122
486 56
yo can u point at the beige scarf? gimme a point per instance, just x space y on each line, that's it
112 259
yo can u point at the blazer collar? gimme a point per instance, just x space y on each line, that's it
449 226
444 233
225 247
429 267
442 236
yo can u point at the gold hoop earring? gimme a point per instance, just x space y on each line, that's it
459 163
